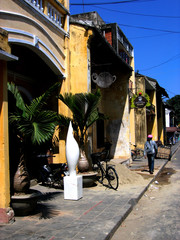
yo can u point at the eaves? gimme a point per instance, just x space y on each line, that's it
152 84
97 35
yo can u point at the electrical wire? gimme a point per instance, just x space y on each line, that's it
171 92
169 60
107 3
149 36
146 28
138 14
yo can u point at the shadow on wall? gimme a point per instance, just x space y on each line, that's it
114 106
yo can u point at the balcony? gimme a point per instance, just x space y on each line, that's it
54 13
123 40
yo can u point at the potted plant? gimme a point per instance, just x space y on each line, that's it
32 124
84 113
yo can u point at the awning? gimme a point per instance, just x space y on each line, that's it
7 56
172 129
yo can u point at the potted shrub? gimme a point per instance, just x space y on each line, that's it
32 124
84 113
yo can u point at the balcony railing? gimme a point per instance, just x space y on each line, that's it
124 42
38 4
52 13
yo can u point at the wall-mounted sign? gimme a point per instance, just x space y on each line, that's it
140 101
104 79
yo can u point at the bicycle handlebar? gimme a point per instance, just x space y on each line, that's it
44 156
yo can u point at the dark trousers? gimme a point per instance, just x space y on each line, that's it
151 162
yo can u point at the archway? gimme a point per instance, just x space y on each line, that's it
33 77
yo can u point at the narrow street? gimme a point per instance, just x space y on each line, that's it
157 215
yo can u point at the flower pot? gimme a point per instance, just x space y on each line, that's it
83 164
24 204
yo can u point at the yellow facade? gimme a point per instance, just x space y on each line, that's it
48 39
114 99
77 79
131 110
149 120
154 130
4 147
5 212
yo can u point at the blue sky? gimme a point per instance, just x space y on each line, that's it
153 29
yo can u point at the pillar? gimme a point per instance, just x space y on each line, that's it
6 213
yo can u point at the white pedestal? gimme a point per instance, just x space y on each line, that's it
73 187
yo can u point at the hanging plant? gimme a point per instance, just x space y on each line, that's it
140 96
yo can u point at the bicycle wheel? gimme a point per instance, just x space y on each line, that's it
112 178
100 174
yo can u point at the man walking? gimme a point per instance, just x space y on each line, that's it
150 149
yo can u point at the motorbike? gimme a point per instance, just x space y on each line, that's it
51 174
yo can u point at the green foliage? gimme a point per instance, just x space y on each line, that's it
84 110
33 122
174 103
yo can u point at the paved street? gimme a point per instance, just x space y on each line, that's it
157 215
96 216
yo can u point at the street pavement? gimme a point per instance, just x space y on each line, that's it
95 216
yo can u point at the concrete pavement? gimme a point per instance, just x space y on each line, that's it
96 216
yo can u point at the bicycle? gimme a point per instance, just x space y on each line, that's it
137 153
107 172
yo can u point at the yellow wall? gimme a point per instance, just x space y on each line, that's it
115 105
4 144
77 77
132 111
154 122
79 59
160 127
140 117
24 26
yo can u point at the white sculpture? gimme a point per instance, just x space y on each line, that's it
72 151
72 183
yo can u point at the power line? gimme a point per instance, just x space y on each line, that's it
149 36
107 3
138 14
146 28
170 59
171 92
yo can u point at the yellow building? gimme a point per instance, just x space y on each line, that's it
37 32
150 120
97 61
5 212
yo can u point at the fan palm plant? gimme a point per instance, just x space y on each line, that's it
84 113
32 124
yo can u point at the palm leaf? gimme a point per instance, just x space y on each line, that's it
84 109
44 126
33 123
63 121
18 98
38 103
91 111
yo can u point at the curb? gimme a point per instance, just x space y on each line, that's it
125 215
133 202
